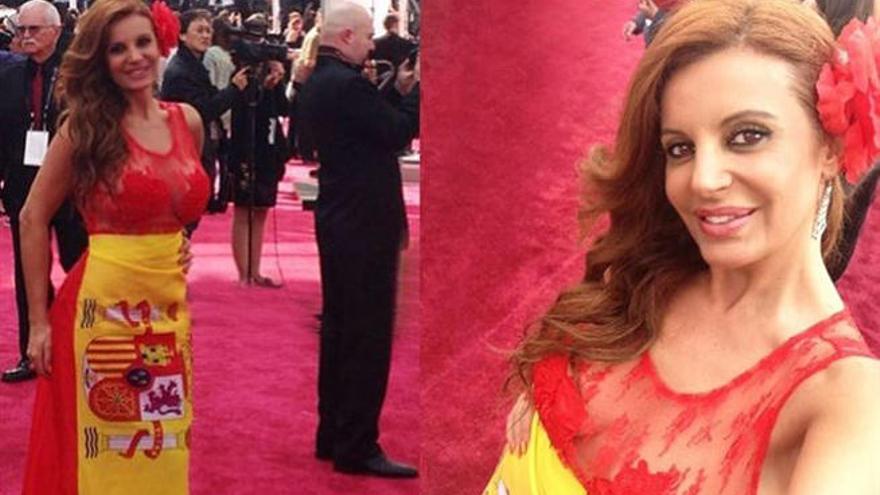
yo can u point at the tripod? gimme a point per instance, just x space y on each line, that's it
253 95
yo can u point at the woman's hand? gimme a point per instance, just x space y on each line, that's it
519 425
39 349
186 256
629 28
648 8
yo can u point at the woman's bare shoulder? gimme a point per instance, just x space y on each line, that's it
193 119
843 433
852 377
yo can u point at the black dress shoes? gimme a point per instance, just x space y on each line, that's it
380 466
22 372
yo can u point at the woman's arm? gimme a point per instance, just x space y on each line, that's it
842 443
51 187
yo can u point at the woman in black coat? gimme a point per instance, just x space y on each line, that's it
256 175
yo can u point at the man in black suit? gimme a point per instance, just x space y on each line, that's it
27 120
360 225
392 47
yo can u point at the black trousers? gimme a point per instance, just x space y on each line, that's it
359 291
223 196
71 239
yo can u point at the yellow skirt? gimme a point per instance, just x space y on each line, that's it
539 471
114 418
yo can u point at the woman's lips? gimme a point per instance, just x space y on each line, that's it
723 222
138 73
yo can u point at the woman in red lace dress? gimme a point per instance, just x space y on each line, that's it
707 350
113 407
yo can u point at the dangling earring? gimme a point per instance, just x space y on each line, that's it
821 222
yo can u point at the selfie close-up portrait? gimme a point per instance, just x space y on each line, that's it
651 249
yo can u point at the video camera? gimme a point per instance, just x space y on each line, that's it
253 48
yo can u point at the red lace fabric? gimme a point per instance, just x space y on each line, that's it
156 192
622 431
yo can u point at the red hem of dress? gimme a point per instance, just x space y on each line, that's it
52 459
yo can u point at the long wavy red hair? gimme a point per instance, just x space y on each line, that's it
647 253
94 104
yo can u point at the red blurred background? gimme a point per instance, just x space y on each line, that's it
513 98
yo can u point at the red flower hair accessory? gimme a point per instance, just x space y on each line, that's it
167 27
849 96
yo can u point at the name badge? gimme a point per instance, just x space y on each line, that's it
35 148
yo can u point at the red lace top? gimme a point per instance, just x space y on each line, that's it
156 192
667 4
622 431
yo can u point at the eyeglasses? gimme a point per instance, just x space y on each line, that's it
34 30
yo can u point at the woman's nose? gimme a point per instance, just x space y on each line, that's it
710 170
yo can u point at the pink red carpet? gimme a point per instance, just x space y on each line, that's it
255 367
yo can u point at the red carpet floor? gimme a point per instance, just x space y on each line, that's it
255 367
512 103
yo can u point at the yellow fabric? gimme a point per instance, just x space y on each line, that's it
133 367
309 52
539 471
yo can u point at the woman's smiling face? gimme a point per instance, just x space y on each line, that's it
745 160
132 53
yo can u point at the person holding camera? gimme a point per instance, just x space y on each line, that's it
186 80
360 224
259 149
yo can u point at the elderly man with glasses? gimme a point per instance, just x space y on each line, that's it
27 120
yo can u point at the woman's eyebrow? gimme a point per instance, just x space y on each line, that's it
727 120
748 113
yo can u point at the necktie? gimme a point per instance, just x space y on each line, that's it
37 98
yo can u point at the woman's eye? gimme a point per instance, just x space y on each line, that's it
748 137
116 49
678 150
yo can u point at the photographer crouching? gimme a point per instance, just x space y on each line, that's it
259 148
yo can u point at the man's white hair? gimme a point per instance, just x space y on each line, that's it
50 14
342 16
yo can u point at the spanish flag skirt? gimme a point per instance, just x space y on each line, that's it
114 416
